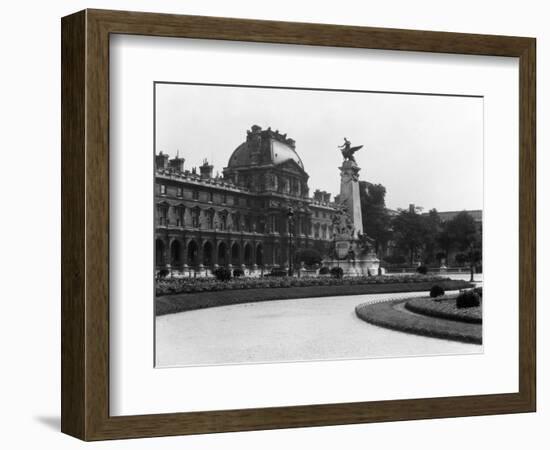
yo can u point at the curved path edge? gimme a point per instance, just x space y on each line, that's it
393 315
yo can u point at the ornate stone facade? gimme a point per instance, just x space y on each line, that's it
239 218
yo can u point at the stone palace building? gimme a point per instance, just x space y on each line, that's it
240 218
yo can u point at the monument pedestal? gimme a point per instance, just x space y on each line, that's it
356 267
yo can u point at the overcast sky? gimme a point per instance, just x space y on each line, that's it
425 149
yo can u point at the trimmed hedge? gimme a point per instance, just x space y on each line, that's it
287 289
190 285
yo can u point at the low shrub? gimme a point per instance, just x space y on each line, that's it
238 273
337 272
324 270
479 291
163 273
278 273
436 291
467 299
423 269
167 286
395 259
222 273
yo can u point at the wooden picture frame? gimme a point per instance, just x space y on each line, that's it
85 224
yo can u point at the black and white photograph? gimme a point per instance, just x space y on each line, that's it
307 224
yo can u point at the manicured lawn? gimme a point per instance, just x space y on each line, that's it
169 304
395 316
445 308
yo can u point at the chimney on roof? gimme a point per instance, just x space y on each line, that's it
412 208
326 197
318 195
206 169
161 161
177 163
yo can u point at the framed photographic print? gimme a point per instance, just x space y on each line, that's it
271 224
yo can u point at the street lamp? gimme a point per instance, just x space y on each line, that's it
290 216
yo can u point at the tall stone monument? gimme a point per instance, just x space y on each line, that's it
349 194
352 250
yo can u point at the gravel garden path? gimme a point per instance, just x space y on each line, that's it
289 330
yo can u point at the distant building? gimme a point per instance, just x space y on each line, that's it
239 218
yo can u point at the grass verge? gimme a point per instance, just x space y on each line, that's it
169 304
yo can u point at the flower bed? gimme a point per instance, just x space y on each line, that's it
193 285
445 309
169 304
395 316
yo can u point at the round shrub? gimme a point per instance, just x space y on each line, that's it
423 270
479 291
467 299
436 291
238 273
163 273
222 274
324 270
337 272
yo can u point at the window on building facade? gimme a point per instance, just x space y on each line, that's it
163 189
162 213
195 194
210 196
316 228
224 198
180 192
223 221
210 219
180 213
195 217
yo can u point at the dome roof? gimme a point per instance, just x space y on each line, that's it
271 148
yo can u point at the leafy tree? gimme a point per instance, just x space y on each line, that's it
460 258
376 220
411 232
465 235
440 255
433 228
309 256
445 241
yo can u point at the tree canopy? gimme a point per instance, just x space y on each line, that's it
376 220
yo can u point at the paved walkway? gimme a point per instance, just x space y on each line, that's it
288 330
